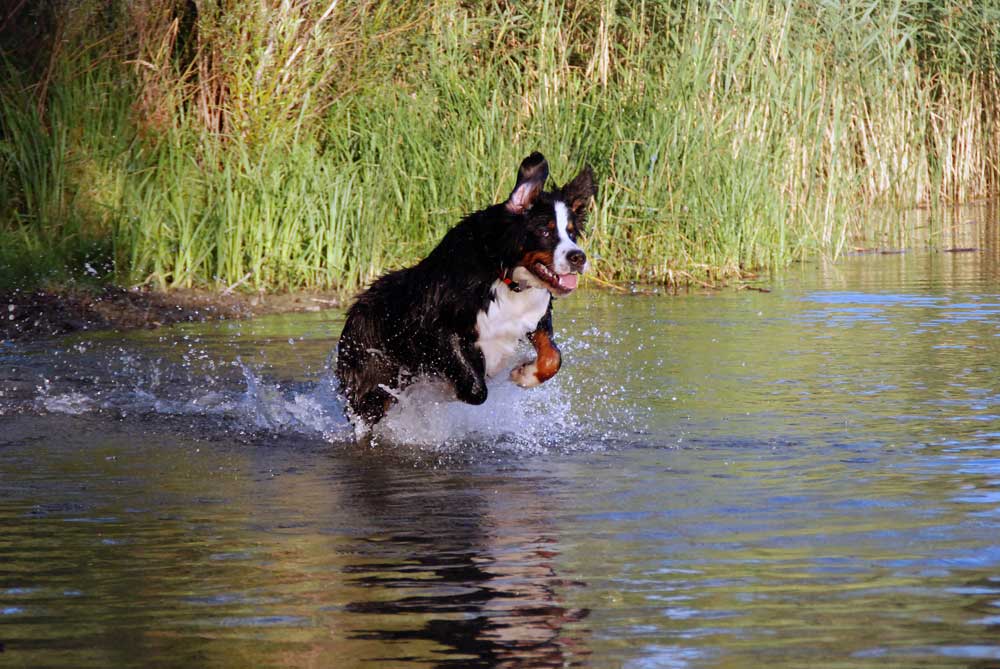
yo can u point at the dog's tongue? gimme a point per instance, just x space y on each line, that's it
568 281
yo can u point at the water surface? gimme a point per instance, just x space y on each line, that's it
805 477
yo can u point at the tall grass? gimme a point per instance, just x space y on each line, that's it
290 144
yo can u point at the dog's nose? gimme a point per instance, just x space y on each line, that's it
576 259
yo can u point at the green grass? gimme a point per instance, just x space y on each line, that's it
316 145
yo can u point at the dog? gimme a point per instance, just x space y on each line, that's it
460 313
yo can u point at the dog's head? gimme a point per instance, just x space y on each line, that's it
547 224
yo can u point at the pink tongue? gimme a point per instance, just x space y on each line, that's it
568 281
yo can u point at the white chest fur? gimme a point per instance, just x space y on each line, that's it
509 318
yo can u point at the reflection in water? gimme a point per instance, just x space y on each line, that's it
273 555
475 579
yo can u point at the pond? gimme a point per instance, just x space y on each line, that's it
803 477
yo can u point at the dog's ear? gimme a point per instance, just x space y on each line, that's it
579 192
531 178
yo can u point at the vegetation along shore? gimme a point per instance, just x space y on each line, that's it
288 145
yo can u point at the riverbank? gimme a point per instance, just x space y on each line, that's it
28 314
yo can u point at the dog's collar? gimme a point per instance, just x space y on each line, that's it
507 276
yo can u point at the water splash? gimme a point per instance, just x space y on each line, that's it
318 409
191 378
73 403
427 415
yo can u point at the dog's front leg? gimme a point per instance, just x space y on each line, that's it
464 365
547 357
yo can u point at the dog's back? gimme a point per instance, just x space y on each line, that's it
396 328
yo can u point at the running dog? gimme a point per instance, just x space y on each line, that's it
459 314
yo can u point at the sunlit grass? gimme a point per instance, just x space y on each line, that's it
290 145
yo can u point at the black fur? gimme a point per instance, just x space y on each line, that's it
422 320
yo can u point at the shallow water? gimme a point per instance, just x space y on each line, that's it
806 477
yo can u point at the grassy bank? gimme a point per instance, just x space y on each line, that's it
291 144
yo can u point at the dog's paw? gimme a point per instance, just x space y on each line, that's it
525 375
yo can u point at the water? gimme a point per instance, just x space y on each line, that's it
803 478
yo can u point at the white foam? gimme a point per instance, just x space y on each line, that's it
512 418
73 403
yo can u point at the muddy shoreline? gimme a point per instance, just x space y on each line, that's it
33 314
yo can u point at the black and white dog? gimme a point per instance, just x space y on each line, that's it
460 313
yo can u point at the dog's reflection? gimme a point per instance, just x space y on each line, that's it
463 569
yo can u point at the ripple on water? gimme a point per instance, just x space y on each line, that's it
801 478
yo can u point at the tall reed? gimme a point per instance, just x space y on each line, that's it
289 144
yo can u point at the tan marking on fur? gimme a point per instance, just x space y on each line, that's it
545 365
549 360
529 259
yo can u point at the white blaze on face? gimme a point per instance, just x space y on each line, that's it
566 244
